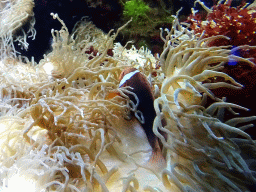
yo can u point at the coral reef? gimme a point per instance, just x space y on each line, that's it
237 23
61 131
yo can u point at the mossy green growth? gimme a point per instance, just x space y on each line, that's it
135 9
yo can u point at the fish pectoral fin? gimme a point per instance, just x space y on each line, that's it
111 95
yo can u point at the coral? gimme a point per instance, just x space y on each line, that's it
67 135
237 23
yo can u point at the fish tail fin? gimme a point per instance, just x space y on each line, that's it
157 160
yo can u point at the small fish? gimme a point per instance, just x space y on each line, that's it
142 88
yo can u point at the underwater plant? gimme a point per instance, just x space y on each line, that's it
147 19
135 9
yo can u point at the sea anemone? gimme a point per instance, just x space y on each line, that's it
13 15
198 142
238 24
62 132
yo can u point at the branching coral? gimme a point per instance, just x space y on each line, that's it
237 23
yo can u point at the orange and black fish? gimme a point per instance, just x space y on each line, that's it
142 88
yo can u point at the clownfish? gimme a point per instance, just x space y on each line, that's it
141 87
